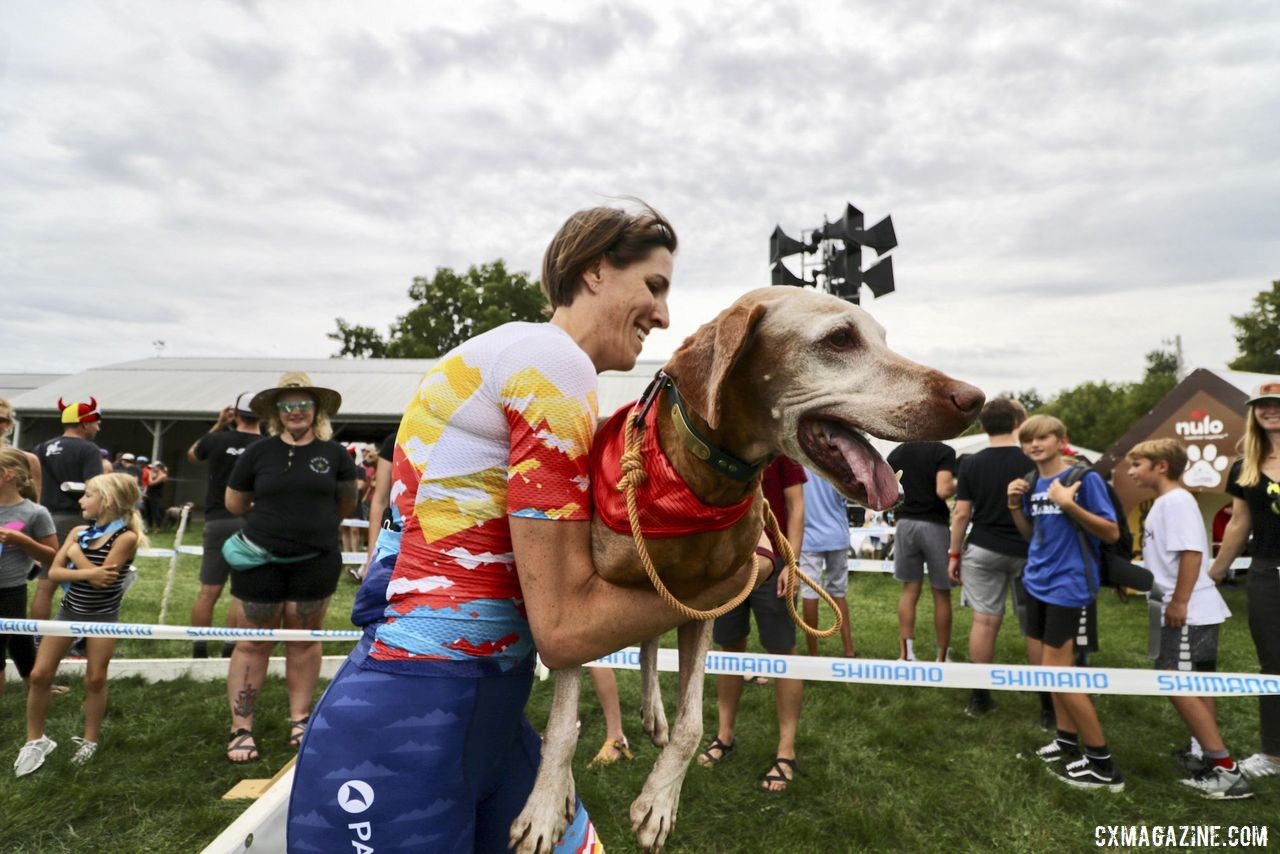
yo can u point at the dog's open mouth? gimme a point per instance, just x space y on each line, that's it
848 460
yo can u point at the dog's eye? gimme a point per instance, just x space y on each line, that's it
841 339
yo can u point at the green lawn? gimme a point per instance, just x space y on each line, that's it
886 767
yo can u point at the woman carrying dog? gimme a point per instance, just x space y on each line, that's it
491 476
293 489
1254 487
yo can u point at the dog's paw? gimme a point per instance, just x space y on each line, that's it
653 814
653 717
542 822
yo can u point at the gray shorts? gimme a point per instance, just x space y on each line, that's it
918 544
213 568
828 570
773 621
63 523
66 615
1187 648
988 576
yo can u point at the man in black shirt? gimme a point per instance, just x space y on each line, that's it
67 463
991 562
220 448
920 538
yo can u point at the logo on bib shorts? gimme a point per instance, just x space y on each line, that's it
319 465
355 796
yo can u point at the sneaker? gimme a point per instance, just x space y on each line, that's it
32 755
1053 752
1189 762
980 704
1218 784
1084 773
1259 765
85 751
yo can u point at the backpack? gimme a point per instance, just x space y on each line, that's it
1115 568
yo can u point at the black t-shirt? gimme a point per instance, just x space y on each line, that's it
920 463
221 450
295 495
1264 511
984 480
66 459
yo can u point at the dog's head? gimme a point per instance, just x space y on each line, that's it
806 374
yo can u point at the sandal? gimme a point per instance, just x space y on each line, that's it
242 740
611 752
778 774
297 729
707 759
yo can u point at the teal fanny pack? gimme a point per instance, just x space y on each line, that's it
242 553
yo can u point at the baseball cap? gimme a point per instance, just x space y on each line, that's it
127 456
143 459
242 404
1266 391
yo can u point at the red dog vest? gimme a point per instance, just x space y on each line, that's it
667 507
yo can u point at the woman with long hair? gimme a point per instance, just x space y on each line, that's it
1254 487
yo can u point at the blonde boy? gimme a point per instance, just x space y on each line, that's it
1176 550
1059 582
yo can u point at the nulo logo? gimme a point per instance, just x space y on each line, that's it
1201 426
356 796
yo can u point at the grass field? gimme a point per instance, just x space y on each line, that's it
886 768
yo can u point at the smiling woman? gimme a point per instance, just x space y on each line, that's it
491 476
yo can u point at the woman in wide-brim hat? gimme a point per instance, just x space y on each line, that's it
293 488
327 403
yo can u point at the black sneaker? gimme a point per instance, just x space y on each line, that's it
1054 752
980 704
1084 773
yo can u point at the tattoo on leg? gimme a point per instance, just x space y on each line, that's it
262 614
246 701
309 611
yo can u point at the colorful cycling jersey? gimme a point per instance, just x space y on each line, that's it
500 427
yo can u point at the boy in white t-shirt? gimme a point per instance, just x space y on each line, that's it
1176 550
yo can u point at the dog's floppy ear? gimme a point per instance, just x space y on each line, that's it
704 360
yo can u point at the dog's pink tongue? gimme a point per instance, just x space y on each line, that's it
871 471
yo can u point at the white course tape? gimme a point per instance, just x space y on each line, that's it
998 677
58 628
921 674
198 551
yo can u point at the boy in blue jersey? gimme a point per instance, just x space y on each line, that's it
1059 582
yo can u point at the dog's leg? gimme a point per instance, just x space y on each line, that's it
654 813
550 806
653 717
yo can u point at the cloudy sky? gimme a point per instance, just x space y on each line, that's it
1071 184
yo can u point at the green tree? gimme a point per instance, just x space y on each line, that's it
1099 413
449 308
1258 334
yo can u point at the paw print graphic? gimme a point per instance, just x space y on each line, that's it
1205 466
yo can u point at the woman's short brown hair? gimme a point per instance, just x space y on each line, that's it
601 233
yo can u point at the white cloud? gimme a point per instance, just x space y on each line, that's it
1070 184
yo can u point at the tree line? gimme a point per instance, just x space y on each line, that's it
448 308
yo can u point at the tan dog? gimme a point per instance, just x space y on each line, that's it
783 370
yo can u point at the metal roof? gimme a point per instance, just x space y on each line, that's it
195 388
12 385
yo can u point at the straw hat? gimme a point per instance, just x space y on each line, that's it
264 402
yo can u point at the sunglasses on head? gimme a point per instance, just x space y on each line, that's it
295 406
